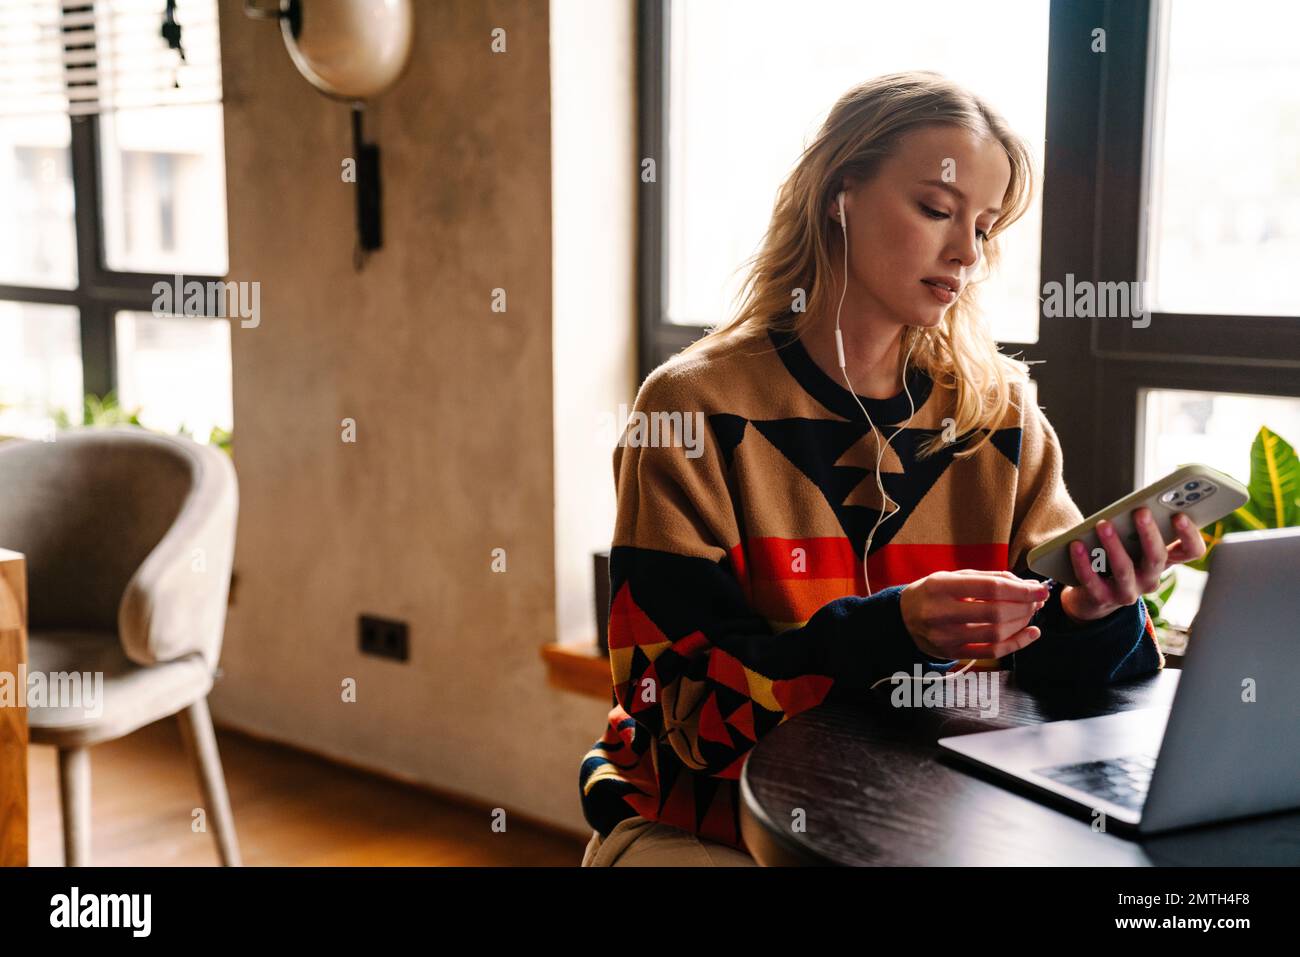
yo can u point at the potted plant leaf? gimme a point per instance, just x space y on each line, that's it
107 412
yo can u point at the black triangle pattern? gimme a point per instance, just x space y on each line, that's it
729 430
814 446
1007 441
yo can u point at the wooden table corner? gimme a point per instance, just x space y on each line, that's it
13 716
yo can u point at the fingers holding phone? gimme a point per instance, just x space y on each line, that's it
1121 581
1195 492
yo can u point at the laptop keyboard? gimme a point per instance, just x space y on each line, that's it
1123 781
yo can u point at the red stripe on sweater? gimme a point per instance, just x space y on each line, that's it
775 559
789 586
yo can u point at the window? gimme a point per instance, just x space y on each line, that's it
176 370
1184 185
1225 208
727 121
111 179
164 190
40 367
38 240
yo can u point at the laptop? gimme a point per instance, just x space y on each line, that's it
1228 746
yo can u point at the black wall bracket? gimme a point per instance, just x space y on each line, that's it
369 226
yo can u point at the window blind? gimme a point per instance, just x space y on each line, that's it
78 57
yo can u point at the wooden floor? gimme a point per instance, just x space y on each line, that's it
290 808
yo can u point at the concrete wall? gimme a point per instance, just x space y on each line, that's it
453 403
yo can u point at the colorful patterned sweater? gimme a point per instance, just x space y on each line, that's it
737 589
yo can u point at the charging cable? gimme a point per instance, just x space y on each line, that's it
839 349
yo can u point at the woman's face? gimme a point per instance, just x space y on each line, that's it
923 216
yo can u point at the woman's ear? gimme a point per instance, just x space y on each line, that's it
847 185
834 211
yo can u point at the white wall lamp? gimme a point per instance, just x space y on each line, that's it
350 50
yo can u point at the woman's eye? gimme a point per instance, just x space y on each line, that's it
935 214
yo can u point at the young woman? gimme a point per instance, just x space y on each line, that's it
871 482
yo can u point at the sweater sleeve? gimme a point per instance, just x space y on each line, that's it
1115 648
692 661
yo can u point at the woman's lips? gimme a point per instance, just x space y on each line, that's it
941 293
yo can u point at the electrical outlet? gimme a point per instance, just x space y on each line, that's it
384 638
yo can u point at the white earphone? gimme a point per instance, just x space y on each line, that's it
839 348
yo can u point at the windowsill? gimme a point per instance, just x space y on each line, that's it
582 669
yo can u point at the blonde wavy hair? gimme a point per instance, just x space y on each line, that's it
863 128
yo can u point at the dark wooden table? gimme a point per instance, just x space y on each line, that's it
874 788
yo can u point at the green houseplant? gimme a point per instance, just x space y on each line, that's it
108 412
100 413
105 412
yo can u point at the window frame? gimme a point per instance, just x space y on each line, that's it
1094 189
99 292
1211 353
657 339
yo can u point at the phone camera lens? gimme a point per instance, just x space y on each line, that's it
1192 485
1193 496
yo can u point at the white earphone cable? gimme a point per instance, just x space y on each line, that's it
839 347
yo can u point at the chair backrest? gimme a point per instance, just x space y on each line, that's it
87 509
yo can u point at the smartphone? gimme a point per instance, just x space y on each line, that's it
1205 494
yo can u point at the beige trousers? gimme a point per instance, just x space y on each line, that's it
636 842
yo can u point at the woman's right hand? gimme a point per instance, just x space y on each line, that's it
972 614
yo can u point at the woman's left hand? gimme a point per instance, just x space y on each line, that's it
1097 597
